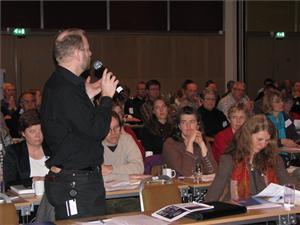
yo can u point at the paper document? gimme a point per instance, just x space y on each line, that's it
134 220
274 193
21 190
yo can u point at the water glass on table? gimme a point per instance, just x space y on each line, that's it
289 196
197 173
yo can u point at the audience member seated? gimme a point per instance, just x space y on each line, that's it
296 95
236 95
229 86
189 95
287 107
257 109
38 97
210 84
127 129
5 140
152 93
286 88
237 116
260 93
187 146
213 119
122 157
26 102
132 106
9 101
158 129
24 162
250 163
286 130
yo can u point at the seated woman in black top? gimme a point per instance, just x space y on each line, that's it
158 128
24 162
213 119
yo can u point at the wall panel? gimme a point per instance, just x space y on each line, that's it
170 58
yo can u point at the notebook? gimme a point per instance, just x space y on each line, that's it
220 209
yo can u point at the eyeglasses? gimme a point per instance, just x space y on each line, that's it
115 130
210 99
239 89
188 122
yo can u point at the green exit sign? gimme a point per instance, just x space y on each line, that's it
279 35
19 32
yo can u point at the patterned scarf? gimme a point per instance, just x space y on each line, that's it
240 180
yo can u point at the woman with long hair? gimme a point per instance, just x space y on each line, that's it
250 163
158 128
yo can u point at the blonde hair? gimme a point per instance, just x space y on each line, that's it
268 100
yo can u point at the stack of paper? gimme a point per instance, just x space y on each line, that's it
125 220
121 185
274 193
21 190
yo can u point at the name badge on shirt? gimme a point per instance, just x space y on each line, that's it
130 110
224 123
71 207
288 123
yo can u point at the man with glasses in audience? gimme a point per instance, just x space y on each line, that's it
122 156
74 127
237 95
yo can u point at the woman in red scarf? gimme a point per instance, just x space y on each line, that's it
250 163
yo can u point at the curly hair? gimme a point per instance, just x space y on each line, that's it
241 145
187 110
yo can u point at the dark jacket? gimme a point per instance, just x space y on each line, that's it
290 129
16 168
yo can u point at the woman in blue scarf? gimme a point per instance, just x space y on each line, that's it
286 130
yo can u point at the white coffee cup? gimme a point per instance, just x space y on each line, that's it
39 187
169 172
148 153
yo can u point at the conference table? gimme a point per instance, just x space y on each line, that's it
187 187
278 214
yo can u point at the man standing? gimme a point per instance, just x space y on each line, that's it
74 128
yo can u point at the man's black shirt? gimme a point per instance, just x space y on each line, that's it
72 126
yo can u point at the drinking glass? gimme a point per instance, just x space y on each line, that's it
289 196
197 173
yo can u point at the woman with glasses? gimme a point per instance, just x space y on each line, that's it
188 147
213 119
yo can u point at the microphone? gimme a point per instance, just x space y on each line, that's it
99 69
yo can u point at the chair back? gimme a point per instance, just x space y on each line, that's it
151 161
157 194
8 212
